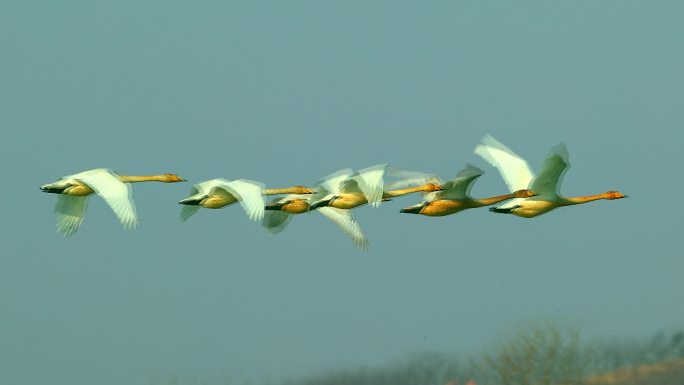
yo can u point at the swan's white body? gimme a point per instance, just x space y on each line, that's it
70 209
275 221
368 183
517 175
455 195
227 192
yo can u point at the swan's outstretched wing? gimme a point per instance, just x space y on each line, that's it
514 170
189 210
249 194
319 193
275 221
370 182
549 179
331 185
346 221
332 182
350 186
116 193
406 179
70 211
459 187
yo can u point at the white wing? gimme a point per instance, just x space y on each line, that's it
459 187
319 193
345 221
549 179
116 193
189 210
250 195
406 179
333 181
69 211
206 186
514 170
370 182
331 185
275 221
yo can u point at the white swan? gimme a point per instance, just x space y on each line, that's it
455 195
348 190
74 191
218 193
279 211
517 175
366 186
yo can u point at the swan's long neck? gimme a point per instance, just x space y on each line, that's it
404 191
493 200
583 199
142 178
286 190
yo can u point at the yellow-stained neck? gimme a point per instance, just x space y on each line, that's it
423 188
492 200
166 178
568 201
288 190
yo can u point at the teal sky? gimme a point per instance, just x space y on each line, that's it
286 92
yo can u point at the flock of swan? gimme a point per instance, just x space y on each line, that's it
336 194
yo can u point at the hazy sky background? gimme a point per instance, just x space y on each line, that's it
286 92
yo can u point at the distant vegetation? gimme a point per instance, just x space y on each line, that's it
543 353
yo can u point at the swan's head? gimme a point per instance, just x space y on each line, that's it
615 195
302 190
433 187
193 200
55 188
172 178
524 193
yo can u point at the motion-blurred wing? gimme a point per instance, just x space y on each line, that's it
370 182
189 210
69 211
349 186
549 179
332 182
345 221
319 193
406 179
459 187
116 193
514 170
249 194
275 221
